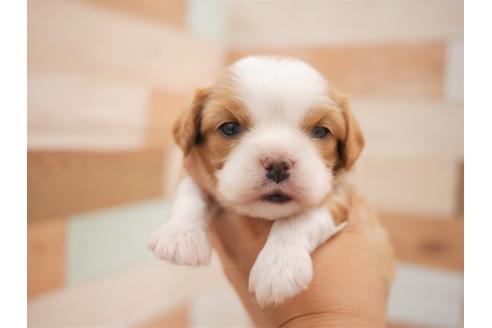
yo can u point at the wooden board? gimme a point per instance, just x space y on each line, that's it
66 182
165 108
411 129
408 71
266 23
79 38
455 71
402 325
169 11
126 298
45 256
178 317
430 241
419 185
69 111
460 202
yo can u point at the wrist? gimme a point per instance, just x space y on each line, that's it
331 320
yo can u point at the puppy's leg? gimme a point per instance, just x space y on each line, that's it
183 239
284 266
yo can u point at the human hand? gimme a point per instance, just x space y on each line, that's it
349 286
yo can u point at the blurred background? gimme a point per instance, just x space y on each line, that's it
106 79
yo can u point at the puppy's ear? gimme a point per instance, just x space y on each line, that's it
350 147
186 130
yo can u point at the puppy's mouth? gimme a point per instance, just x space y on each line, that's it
276 198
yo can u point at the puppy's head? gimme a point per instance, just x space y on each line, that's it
271 135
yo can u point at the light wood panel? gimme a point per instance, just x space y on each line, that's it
123 299
455 70
63 183
169 11
68 111
80 38
409 71
291 22
178 317
410 129
419 185
430 241
45 256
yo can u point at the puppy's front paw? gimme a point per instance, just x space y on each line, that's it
279 274
181 245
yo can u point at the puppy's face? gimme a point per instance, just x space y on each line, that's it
271 135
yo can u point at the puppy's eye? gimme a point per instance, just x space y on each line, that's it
230 129
320 132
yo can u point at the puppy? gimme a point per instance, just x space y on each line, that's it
276 141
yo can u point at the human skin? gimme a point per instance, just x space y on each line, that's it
349 286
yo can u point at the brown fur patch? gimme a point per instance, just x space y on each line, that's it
351 146
199 125
331 118
339 210
187 127
339 200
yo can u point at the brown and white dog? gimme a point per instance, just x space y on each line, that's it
276 141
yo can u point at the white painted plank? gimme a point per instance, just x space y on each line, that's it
277 23
207 19
90 256
76 37
427 297
455 71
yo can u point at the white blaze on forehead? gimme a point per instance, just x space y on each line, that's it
278 89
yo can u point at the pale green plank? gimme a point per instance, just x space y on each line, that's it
107 241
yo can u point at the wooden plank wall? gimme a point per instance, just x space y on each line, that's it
171 12
103 97
90 85
98 92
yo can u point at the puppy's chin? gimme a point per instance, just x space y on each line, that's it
269 210
272 203
260 199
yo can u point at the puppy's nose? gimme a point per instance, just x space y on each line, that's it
277 171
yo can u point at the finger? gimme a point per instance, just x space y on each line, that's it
238 239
